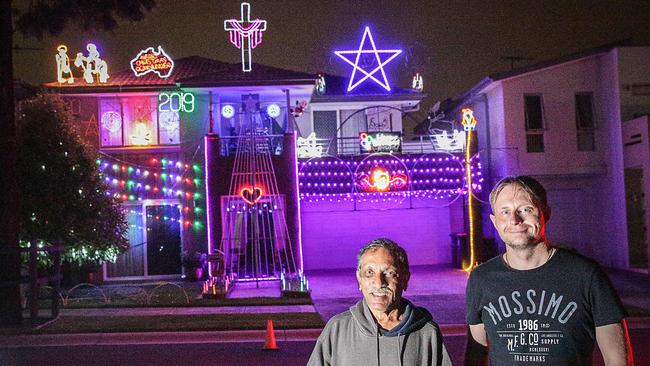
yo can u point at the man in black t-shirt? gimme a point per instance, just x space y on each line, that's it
536 304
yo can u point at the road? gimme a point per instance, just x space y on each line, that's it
202 354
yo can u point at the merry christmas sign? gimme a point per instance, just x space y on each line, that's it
150 60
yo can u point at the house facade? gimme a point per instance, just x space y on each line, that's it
269 172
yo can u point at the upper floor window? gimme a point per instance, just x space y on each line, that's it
137 121
534 117
585 125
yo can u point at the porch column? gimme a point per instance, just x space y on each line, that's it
288 179
212 201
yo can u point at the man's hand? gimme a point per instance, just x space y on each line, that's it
478 333
614 344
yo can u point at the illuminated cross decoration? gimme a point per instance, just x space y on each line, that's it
245 34
354 57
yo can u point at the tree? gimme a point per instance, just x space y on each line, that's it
41 18
64 199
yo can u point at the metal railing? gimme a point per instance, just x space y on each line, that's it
33 279
274 145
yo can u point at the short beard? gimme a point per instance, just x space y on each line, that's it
529 244
523 246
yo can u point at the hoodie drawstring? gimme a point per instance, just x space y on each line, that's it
377 344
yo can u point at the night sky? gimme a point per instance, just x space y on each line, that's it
453 44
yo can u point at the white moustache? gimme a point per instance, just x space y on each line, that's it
381 291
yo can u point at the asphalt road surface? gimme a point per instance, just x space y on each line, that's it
209 354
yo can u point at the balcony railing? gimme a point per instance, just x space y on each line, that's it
307 148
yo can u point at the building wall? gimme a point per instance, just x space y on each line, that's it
332 239
634 81
344 109
557 86
609 197
585 187
193 125
636 155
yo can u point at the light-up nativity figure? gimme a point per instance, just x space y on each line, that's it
63 72
255 244
92 65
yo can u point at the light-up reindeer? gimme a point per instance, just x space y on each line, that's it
92 65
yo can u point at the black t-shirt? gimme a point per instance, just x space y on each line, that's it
542 316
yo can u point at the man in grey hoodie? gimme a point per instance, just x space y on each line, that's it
383 328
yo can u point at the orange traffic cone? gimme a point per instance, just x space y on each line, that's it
269 343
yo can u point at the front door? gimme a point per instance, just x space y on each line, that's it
154 243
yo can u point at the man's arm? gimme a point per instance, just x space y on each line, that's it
614 344
478 333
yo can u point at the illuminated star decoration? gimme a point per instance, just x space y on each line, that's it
354 57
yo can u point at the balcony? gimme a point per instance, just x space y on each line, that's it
312 147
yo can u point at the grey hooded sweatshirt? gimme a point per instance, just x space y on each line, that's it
354 338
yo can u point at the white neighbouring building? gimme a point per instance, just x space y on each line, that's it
564 123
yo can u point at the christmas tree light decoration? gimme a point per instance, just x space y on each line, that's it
63 72
355 59
228 111
111 121
273 110
92 65
152 61
245 34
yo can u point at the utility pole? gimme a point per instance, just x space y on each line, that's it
10 307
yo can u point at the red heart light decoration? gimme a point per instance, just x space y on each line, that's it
251 195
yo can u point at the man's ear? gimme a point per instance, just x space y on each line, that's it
493 219
358 281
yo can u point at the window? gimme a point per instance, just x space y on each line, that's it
325 128
534 116
585 125
75 106
353 121
137 121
